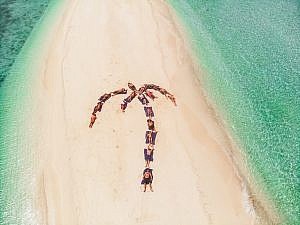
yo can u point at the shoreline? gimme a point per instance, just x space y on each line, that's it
257 200
65 127
19 128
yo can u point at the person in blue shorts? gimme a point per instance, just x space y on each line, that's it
150 137
148 155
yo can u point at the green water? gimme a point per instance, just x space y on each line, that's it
17 19
23 25
250 51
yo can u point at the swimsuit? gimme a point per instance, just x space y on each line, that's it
150 140
148 111
143 99
148 157
146 181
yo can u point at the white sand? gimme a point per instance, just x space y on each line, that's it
92 176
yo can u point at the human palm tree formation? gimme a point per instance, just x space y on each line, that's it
143 94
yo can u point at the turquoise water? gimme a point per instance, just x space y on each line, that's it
17 19
23 25
250 51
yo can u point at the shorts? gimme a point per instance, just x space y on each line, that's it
146 181
148 111
148 157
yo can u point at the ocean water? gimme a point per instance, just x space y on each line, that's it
23 25
250 52
17 19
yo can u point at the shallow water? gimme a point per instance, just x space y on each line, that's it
250 51
17 19
19 30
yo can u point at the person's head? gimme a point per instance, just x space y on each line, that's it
150 146
150 122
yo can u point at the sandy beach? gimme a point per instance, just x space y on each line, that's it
92 176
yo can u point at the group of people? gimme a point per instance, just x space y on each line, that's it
103 98
150 137
143 94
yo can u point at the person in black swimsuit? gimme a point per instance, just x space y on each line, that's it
104 97
148 155
131 86
118 92
142 98
147 179
128 100
152 86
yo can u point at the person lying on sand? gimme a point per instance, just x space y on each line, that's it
141 90
128 100
118 92
131 86
149 111
150 95
168 95
142 98
148 155
152 86
97 108
104 97
161 90
150 124
150 137
147 179
93 119
130 97
172 98
123 106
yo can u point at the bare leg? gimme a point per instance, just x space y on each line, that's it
93 119
145 187
151 187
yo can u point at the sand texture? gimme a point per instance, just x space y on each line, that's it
92 176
